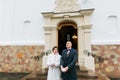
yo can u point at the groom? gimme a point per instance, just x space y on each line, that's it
67 63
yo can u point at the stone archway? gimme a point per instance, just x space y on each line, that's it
67 31
82 20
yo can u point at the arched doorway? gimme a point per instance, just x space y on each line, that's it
67 32
78 21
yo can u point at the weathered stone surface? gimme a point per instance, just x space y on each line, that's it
66 6
112 58
18 58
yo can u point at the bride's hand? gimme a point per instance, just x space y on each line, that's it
52 65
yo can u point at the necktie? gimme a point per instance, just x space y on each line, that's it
68 52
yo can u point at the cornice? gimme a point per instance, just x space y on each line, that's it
71 13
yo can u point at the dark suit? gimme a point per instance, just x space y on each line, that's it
70 61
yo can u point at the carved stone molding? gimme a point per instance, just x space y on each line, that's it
47 30
66 6
68 13
87 26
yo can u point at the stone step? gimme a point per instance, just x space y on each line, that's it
82 71
114 76
46 79
41 74
86 79
37 78
45 73
82 75
87 75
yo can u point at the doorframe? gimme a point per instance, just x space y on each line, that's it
60 25
83 20
65 24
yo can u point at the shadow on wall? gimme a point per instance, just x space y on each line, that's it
38 57
110 63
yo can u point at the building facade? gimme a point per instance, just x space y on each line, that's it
29 27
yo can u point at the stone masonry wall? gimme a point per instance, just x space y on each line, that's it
18 58
111 55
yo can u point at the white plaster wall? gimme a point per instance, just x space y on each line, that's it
21 21
102 31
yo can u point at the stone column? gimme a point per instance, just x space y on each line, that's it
54 37
87 37
47 38
48 46
50 37
81 47
84 43
80 41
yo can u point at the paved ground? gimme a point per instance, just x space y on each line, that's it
11 76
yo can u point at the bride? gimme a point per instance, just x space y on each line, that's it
53 63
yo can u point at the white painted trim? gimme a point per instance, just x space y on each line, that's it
21 43
110 42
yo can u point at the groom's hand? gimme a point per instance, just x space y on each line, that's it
66 69
63 69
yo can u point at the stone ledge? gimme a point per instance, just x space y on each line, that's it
114 76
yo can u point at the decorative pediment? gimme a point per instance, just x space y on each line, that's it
66 6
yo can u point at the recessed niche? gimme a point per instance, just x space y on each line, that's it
113 24
27 22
